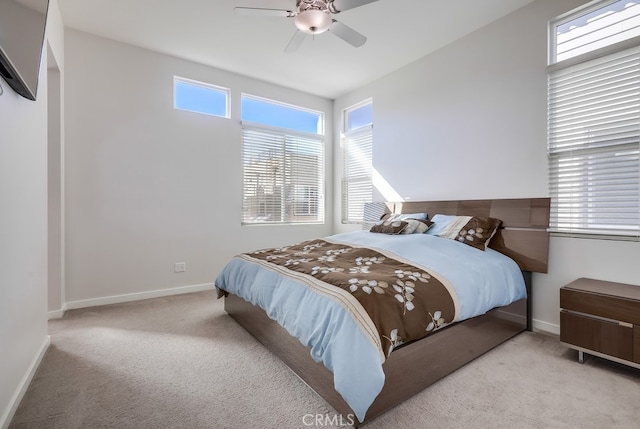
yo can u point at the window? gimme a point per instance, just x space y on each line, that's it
267 112
603 24
357 153
283 163
200 97
594 124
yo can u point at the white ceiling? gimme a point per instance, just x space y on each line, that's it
209 32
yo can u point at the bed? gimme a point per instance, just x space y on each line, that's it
314 347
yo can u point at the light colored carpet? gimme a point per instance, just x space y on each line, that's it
181 362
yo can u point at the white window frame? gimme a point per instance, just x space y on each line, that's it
594 146
209 86
357 166
276 163
320 127
572 15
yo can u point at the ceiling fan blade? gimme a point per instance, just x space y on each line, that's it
295 42
347 34
338 6
264 12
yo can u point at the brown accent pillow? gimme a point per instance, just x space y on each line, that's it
472 230
389 227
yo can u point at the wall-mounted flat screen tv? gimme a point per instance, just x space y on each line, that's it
22 25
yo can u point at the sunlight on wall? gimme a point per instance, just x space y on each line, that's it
385 189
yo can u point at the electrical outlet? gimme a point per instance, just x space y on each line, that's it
180 267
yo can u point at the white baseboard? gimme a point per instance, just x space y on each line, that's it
5 419
116 299
57 314
539 325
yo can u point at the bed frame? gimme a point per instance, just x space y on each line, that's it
523 237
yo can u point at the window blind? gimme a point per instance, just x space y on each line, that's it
357 188
594 146
606 25
283 176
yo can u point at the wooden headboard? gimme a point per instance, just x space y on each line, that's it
524 235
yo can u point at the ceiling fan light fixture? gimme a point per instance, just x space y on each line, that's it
313 21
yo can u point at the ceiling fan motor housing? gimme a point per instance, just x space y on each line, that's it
313 16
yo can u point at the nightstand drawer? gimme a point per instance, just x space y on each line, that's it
599 335
610 307
636 344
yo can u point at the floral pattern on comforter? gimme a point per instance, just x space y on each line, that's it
404 302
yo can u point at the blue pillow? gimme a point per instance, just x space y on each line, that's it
440 223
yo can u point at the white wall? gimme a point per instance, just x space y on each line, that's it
469 122
23 231
55 183
147 185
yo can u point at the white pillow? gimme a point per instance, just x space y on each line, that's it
415 226
403 216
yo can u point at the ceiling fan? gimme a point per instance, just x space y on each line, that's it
314 17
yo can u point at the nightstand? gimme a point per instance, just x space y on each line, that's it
601 318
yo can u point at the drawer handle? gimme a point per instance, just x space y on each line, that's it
625 324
